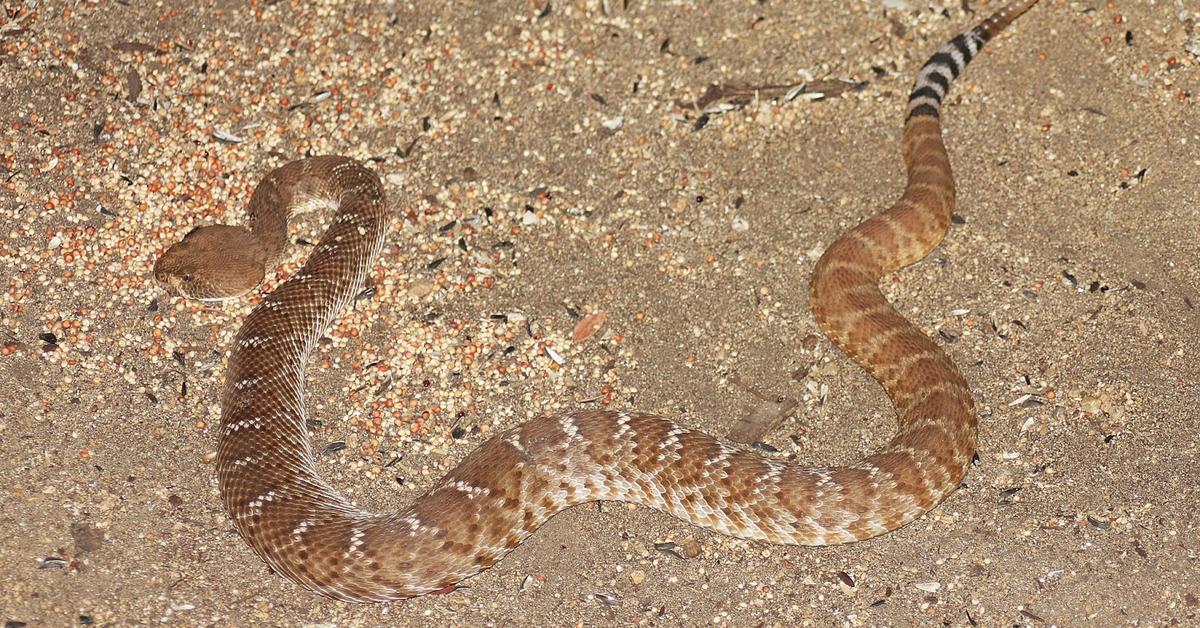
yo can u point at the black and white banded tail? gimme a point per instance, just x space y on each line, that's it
933 81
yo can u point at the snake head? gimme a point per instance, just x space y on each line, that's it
212 263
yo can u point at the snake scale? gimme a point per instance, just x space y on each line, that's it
502 492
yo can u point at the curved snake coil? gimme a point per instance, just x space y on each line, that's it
502 492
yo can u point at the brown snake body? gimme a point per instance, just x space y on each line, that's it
502 492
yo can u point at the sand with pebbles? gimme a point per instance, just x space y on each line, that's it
548 161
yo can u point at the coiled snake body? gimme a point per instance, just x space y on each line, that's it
505 490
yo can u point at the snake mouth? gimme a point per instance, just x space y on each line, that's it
178 287
193 287
217 299
184 287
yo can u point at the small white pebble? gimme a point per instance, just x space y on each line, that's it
613 124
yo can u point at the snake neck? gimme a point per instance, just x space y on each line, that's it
269 208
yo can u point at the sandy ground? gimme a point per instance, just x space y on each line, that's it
545 164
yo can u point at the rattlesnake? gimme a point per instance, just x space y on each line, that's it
515 481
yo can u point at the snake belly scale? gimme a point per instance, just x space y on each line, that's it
502 492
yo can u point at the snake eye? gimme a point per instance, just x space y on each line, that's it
186 277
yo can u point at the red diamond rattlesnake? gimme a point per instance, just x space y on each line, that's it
502 492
